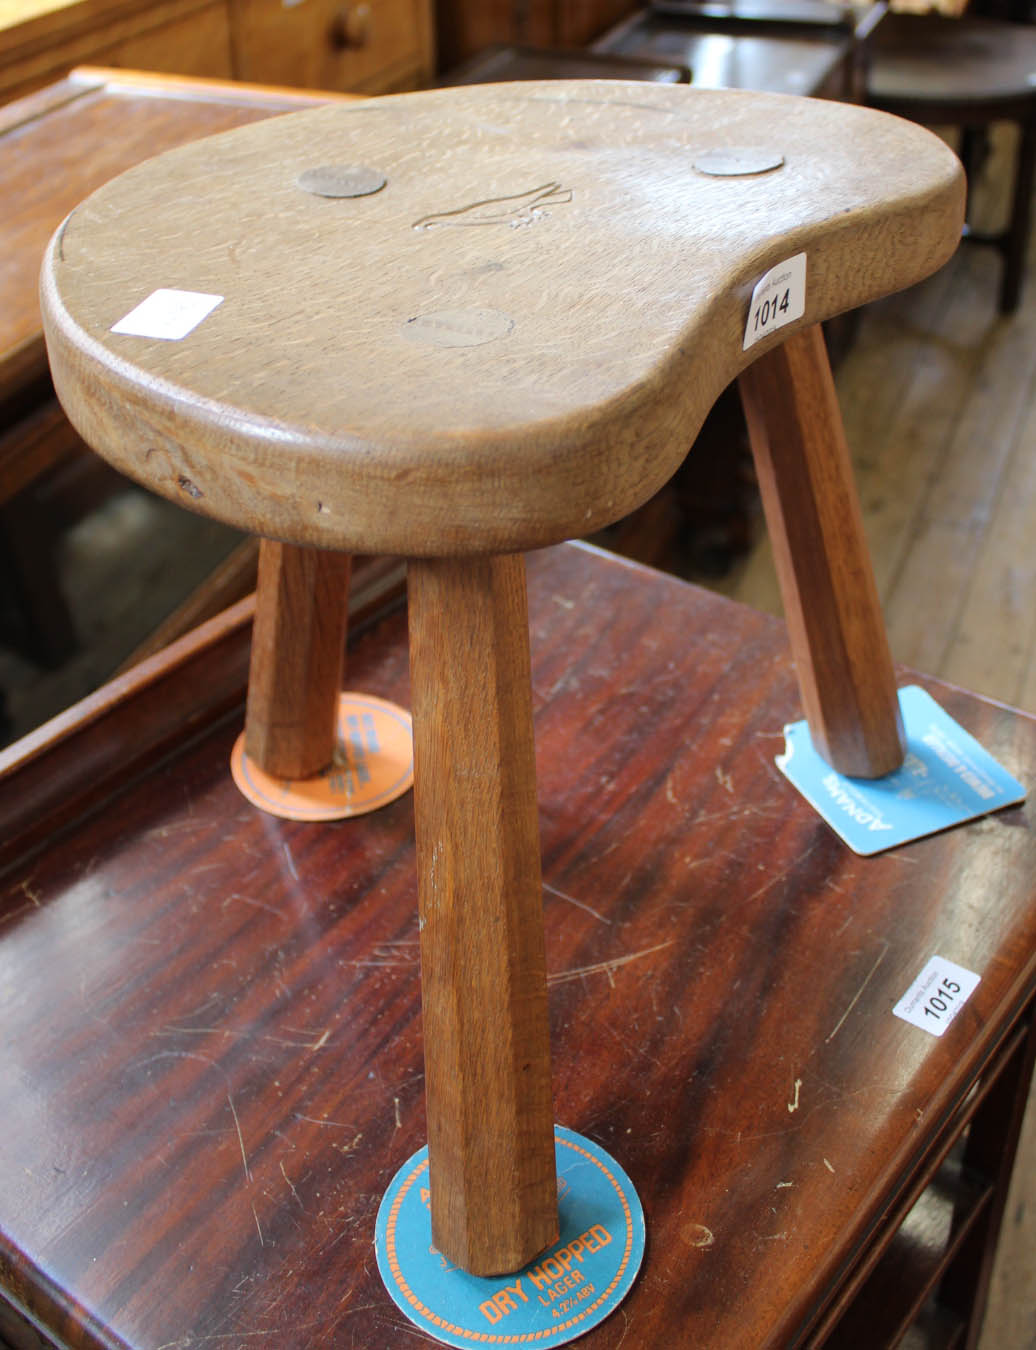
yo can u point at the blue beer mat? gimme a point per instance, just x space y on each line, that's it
946 779
561 1294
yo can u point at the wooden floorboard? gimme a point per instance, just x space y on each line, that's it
993 642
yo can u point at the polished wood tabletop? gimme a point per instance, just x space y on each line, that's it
211 1046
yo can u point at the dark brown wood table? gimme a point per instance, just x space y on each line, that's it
967 72
56 146
727 47
210 1043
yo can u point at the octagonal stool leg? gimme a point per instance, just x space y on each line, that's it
483 969
298 658
310 751
835 625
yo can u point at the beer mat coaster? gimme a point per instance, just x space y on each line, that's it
564 1292
373 765
946 779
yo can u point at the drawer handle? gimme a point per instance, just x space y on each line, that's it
351 28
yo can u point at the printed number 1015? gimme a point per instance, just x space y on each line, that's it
942 1001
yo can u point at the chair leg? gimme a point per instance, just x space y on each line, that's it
298 652
837 633
483 970
1017 236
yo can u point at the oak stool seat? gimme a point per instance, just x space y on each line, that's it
458 325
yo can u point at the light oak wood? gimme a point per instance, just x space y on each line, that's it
483 971
298 654
827 582
608 311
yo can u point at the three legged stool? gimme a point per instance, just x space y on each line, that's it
458 325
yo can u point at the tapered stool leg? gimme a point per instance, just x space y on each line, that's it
837 633
483 972
298 653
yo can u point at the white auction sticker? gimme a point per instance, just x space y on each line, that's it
779 298
937 995
168 314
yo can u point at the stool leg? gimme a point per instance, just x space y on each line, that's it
483 969
837 633
298 652
1016 237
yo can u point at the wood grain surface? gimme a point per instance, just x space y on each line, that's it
513 342
211 1018
483 979
827 581
298 657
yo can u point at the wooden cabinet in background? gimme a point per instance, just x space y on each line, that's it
466 26
580 21
41 42
366 46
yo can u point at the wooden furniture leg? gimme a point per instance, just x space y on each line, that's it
461 436
298 653
1016 236
830 597
988 1160
483 969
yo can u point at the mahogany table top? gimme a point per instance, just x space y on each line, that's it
211 1046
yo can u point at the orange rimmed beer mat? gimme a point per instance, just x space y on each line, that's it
373 765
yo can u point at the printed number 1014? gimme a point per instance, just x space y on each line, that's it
766 314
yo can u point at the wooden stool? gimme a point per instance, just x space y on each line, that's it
508 343
967 72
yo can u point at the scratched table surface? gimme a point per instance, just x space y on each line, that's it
210 1054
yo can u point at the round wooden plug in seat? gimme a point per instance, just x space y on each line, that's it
505 333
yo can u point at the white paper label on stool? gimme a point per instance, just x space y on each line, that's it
937 995
168 314
779 298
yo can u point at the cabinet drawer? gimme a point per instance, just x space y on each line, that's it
363 45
